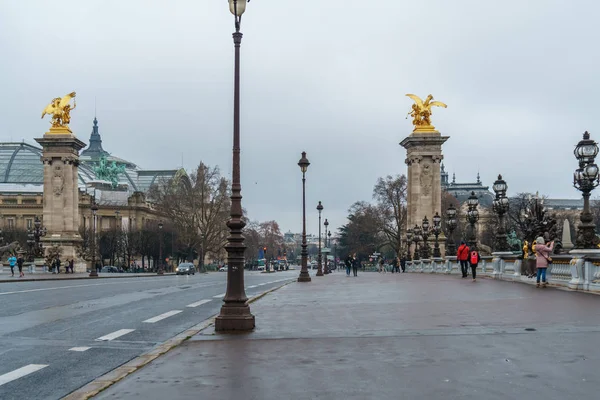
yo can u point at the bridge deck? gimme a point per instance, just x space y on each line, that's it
391 336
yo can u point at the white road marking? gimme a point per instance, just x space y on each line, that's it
261 284
68 287
21 372
252 287
80 349
199 303
162 316
219 295
114 335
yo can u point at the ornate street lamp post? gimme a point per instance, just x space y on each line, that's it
319 256
409 238
160 248
329 247
93 269
472 218
325 266
235 313
500 207
304 276
425 250
437 229
586 179
451 226
416 238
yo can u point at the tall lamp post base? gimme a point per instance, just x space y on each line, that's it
304 277
235 317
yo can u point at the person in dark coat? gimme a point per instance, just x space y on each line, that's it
355 265
403 263
348 263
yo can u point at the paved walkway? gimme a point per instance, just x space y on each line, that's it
390 336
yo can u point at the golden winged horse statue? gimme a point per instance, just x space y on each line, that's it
421 112
60 109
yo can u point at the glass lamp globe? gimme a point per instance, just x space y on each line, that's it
237 5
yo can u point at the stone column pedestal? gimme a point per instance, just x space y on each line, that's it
424 190
60 157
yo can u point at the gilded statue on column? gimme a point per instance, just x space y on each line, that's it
60 109
421 113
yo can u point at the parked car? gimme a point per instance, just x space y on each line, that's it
224 268
185 269
109 268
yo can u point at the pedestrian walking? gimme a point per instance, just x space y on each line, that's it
382 265
403 263
474 259
348 263
12 261
57 265
543 259
395 267
355 265
463 257
20 262
71 265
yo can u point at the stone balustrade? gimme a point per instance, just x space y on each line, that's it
578 271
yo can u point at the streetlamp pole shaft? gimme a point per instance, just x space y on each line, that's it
304 276
319 259
235 313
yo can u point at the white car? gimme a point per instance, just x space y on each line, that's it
223 269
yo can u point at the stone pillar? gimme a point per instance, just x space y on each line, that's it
60 157
424 192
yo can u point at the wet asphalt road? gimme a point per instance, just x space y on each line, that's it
42 322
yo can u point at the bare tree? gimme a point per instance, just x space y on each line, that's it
390 194
198 208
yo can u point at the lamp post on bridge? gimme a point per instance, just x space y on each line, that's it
500 207
451 226
325 266
425 250
416 239
319 256
585 179
235 313
304 275
93 269
437 229
472 218
409 240
329 247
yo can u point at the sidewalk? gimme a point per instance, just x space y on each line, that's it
390 336
46 276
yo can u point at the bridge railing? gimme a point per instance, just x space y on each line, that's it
577 271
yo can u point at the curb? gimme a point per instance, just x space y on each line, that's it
110 378
79 278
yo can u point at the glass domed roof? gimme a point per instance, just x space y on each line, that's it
21 166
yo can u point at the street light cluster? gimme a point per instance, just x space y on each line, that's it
422 233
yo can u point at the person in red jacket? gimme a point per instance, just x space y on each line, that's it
463 257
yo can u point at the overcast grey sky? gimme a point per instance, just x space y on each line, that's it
326 77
